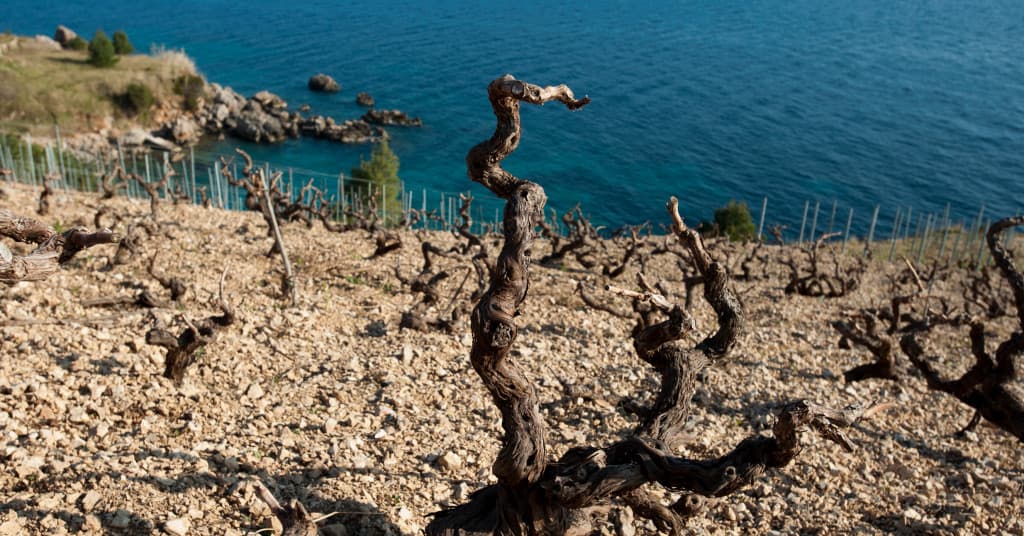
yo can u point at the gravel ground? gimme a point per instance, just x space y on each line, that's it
330 403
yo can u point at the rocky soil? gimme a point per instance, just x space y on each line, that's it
328 402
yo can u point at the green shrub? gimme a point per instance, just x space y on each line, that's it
190 87
101 50
121 43
137 99
381 170
733 220
76 44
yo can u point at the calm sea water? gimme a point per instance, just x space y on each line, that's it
910 103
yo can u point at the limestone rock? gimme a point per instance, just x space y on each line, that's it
365 99
269 101
44 42
391 117
177 527
64 35
183 130
90 500
450 461
323 83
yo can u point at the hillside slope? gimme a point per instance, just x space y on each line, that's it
41 87
330 403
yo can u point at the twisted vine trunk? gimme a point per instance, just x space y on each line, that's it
54 249
533 496
523 455
984 386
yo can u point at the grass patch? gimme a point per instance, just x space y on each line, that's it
41 87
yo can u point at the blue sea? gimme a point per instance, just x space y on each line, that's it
858 103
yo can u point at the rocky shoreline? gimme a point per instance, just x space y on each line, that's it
221 111
266 118
262 118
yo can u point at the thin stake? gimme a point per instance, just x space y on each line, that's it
982 249
268 205
846 235
973 229
871 231
192 159
814 221
914 237
924 239
892 243
832 218
945 233
60 159
31 160
803 222
760 226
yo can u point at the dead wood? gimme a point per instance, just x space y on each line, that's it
904 315
295 208
295 520
432 311
178 194
175 285
288 276
143 298
113 181
535 496
182 350
386 243
46 194
582 242
813 280
990 299
53 250
754 265
265 195
984 386
25 230
128 245
465 228
97 219
204 198
322 210
584 290
611 267
880 346
153 189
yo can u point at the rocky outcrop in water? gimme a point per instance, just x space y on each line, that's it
323 83
221 109
391 117
266 118
365 99
350 131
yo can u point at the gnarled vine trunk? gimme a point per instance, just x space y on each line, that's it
535 496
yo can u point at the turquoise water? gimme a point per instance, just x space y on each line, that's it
911 103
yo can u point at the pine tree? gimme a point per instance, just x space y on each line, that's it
122 45
101 50
381 174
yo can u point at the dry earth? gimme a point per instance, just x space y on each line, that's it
330 403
